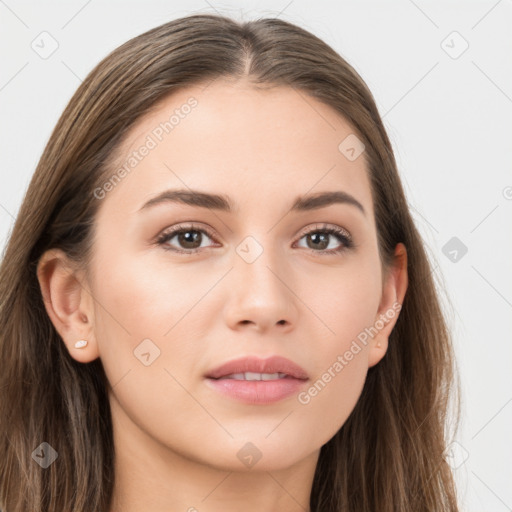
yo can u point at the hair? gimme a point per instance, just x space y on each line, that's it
389 454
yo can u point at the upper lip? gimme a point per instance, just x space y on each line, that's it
274 364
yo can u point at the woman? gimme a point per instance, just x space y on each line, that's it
219 204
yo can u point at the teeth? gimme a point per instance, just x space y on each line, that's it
271 376
255 376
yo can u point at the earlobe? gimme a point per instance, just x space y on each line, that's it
68 304
393 294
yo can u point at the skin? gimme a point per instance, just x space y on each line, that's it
176 439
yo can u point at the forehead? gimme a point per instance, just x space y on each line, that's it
234 139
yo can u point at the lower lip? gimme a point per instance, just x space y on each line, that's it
257 391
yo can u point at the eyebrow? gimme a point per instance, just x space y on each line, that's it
223 203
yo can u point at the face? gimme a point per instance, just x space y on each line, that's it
259 279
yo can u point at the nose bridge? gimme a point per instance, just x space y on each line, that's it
257 262
260 294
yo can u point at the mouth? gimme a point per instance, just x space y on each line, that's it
254 368
258 381
255 376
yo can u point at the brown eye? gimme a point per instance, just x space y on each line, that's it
324 240
188 239
318 240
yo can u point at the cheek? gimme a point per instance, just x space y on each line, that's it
341 365
345 303
143 298
145 309
333 393
147 348
344 300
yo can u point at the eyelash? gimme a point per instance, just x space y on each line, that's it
341 235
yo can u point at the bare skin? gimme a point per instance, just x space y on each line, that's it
176 438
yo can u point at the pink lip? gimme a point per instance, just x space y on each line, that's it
258 392
274 364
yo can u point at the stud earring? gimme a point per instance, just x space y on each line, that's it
81 344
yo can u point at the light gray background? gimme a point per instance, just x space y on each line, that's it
448 115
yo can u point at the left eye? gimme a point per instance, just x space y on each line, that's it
317 240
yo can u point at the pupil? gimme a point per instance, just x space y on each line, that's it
189 238
316 238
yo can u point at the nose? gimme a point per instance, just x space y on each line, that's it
260 295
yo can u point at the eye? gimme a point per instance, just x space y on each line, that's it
188 237
321 237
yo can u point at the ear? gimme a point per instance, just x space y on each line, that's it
68 304
393 293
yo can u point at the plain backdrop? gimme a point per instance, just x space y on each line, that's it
441 73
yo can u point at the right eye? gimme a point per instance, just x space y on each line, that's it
189 237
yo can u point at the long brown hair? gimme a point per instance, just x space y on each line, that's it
388 456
